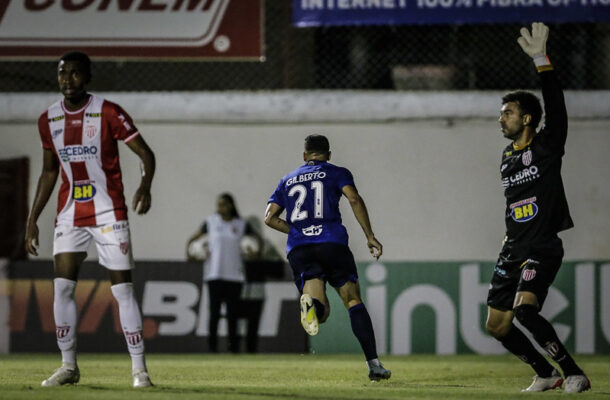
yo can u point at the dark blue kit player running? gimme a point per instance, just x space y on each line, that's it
317 242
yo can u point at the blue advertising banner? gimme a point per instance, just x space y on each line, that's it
411 12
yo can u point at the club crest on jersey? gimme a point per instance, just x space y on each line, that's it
524 210
83 191
529 274
313 230
527 158
90 131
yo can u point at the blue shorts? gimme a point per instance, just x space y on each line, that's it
331 262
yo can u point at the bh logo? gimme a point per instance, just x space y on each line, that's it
83 191
524 212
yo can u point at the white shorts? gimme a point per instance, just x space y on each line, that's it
113 243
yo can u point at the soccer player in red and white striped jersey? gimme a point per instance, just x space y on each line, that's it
79 137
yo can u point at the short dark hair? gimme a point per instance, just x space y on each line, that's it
528 103
80 57
317 144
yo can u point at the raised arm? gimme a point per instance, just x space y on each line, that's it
362 216
555 128
46 183
142 198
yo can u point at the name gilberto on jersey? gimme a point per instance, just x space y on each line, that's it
306 177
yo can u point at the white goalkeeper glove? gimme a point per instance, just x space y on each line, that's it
534 44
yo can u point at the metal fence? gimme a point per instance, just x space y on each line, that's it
438 57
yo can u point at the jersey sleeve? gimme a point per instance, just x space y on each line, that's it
344 178
121 124
44 131
277 197
554 131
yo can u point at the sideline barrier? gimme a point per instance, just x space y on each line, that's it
440 307
174 306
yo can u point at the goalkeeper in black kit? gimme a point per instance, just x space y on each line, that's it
536 210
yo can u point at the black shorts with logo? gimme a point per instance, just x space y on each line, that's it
331 262
535 274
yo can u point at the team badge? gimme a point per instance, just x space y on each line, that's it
133 338
529 274
526 158
124 247
62 331
552 349
90 131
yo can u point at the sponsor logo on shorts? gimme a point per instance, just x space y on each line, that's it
529 274
313 230
120 226
133 338
526 159
107 229
58 235
84 191
499 271
62 331
524 210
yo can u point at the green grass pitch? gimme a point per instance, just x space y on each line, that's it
284 376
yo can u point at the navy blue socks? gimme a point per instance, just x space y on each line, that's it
363 330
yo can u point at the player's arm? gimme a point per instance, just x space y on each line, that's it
273 220
142 198
46 183
362 216
555 114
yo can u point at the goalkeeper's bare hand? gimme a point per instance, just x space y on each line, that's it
534 44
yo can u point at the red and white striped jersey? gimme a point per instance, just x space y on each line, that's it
85 143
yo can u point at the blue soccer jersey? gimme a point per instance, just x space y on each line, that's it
310 194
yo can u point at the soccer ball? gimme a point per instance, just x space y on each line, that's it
198 249
249 246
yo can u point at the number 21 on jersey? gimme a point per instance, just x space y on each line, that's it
301 192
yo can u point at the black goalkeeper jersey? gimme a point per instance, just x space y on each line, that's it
536 205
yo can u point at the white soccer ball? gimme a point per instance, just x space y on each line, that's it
249 245
199 249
